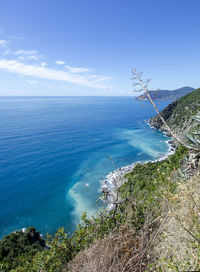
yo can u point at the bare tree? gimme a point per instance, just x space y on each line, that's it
143 84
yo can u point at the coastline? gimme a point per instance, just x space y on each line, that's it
115 179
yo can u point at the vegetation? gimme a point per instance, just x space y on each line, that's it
149 182
179 114
18 247
194 137
179 250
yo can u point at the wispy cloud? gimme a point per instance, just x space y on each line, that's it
31 63
60 62
43 64
77 69
98 78
3 43
26 52
32 82
26 55
40 72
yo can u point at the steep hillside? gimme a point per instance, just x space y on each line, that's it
178 247
167 94
178 114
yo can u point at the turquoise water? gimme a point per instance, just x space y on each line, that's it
51 147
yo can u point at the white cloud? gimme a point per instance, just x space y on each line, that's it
60 62
32 64
43 64
77 69
3 43
32 81
27 58
26 52
39 72
26 55
98 78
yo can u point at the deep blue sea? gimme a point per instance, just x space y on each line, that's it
50 147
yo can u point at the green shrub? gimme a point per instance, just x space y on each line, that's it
17 246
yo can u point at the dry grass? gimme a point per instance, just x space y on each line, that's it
178 246
124 251
118 252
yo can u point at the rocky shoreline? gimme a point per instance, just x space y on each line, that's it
111 183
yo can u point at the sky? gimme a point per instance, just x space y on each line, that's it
89 47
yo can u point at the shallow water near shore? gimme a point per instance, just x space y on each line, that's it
54 152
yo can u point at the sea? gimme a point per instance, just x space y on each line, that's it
55 151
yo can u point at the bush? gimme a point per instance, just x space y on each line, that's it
19 245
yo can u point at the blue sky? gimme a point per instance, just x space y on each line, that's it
88 47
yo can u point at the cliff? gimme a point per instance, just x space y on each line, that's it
179 114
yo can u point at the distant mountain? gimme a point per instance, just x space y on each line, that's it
167 94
